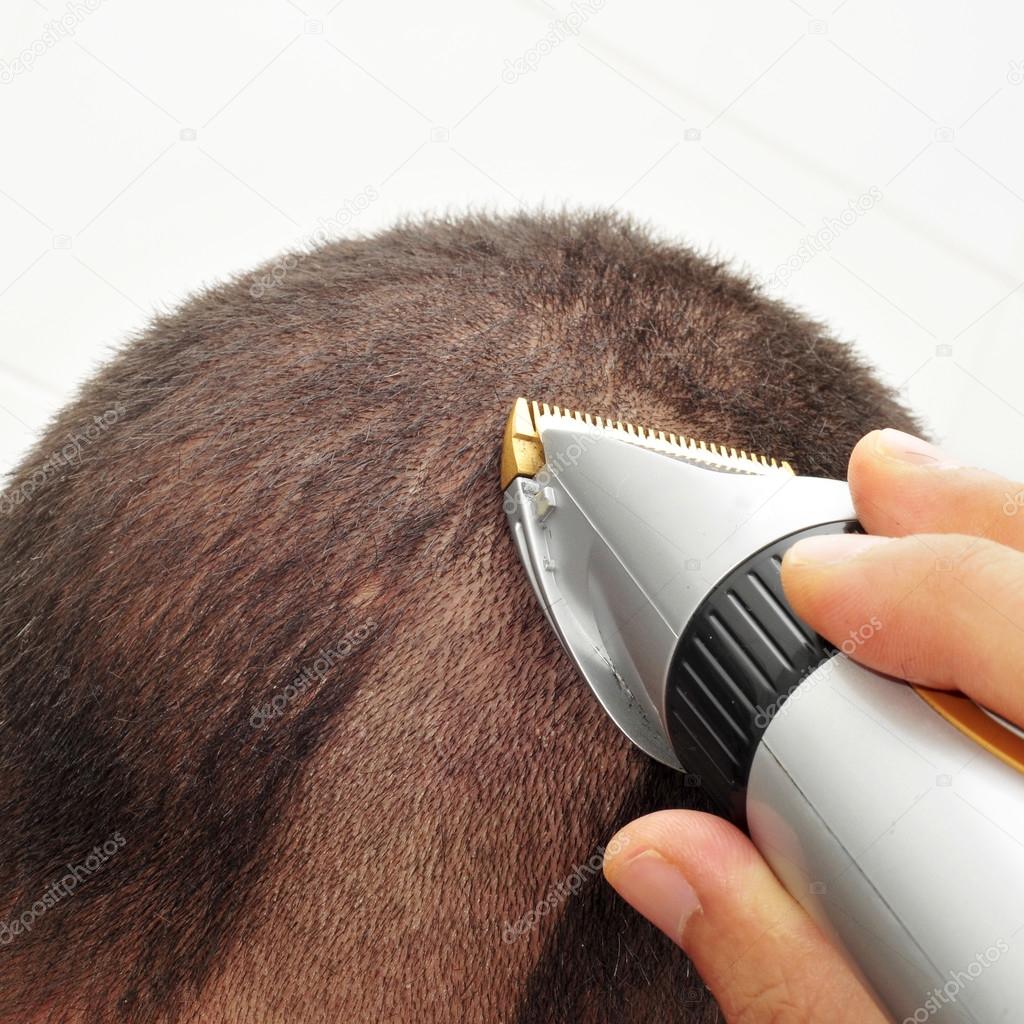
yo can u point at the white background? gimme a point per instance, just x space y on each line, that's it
159 146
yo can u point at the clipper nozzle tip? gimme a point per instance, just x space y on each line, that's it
522 453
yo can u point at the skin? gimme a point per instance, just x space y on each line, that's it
944 569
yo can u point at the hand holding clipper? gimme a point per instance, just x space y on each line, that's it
893 814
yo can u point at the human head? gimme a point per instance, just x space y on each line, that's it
269 629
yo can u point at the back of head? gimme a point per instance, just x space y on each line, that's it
284 733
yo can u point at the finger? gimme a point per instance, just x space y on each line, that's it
943 610
901 485
702 882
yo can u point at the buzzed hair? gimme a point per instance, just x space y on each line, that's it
283 732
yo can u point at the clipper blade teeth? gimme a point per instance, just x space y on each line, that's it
697 450
523 451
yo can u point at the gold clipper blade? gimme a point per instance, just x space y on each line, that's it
522 452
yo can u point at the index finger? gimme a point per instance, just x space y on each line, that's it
946 611
903 485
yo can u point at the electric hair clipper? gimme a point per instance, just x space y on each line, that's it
893 814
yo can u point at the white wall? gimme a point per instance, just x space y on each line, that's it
159 146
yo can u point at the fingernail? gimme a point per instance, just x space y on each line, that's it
832 548
895 444
657 889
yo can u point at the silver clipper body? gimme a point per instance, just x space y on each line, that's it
894 815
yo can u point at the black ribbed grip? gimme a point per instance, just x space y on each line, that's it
743 653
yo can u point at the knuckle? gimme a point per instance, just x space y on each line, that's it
993 574
913 666
979 560
988 563
969 577
771 1001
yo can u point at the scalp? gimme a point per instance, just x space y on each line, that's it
307 473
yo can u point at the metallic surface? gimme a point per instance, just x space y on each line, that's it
637 535
992 731
522 450
522 454
903 838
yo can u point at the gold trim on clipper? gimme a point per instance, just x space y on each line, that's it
522 453
962 712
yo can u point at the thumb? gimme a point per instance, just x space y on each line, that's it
702 882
